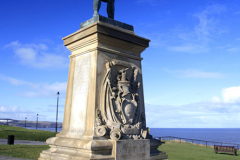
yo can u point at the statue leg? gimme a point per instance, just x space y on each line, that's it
96 6
111 9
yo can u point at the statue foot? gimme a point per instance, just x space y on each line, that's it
96 14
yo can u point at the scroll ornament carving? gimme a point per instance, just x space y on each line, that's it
121 117
101 129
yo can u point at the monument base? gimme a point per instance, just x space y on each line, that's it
102 149
145 149
63 148
131 149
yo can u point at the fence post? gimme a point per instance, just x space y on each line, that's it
192 141
169 138
206 143
180 140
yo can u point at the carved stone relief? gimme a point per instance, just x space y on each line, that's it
121 116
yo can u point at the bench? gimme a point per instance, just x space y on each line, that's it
226 149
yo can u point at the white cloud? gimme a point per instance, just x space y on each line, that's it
223 46
190 73
234 49
186 38
216 99
11 109
35 55
13 44
26 55
15 112
197 39
221 112
231 95
18 82
46 90
40 46
189 48
193 73
207 21
195 115
37 89
13 81
18 113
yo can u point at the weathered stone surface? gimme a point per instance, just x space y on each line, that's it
104 108
132 149
131 131
80 93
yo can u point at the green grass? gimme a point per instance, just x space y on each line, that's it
188 151
22 151
25 134
174 150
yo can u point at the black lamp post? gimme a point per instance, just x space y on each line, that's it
57 110
25 121
37 122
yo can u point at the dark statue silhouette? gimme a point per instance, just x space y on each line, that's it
110 20
110 7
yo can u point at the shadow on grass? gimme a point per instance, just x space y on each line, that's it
231 154
24 147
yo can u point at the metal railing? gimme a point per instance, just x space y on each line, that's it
197 141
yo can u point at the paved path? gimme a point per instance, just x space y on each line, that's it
10 158
23 142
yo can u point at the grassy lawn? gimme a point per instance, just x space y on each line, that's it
22 151
25 134
188 151
174 150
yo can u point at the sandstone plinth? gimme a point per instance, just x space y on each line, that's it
104 116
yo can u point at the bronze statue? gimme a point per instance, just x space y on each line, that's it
110 7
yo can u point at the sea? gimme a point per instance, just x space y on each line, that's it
224 136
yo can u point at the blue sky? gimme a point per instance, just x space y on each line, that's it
190 71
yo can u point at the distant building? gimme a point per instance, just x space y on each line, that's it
5 121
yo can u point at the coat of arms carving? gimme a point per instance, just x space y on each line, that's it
121 115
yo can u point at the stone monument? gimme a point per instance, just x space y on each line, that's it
104 116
